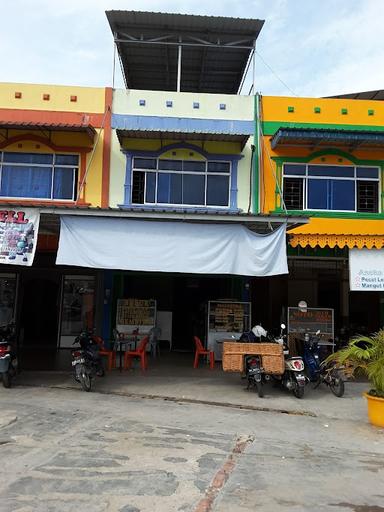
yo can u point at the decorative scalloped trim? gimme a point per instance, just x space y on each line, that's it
341 241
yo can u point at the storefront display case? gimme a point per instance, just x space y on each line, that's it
226 321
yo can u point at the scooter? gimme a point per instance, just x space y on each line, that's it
8 359
86 362
318 371
293 377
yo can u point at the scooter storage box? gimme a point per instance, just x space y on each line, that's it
272 357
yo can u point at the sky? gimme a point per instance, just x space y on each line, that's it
314 47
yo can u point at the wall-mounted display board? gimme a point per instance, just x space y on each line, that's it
137 315
310 321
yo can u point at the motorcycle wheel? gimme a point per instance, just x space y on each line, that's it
85 381
6 379
337 386
298 391
260 390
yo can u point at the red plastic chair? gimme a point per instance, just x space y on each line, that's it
110 354
200 351
139 352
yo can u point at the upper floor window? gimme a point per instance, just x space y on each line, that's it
38 175
331 187
180 182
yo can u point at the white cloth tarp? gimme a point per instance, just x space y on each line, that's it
366 270
162 246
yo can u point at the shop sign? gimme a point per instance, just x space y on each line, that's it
366 270
18 236
310 320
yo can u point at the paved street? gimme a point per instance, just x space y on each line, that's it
64 450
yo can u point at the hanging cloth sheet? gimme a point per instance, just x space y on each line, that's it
161 246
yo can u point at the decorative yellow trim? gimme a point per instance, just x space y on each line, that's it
322 240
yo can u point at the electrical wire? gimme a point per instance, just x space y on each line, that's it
275 74
108 108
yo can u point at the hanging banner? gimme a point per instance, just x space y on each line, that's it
366 270
18 236
163 246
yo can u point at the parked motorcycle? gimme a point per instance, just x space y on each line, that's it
318 371
255 376
8 359
293 377
86 362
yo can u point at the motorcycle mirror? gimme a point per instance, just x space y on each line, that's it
282 326
317 332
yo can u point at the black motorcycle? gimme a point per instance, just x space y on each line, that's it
86 362
254 374
8 359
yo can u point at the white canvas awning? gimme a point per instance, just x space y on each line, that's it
166 246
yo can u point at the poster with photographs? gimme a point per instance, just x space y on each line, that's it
18 236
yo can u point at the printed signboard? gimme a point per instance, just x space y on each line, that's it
310 321
366 270
18 236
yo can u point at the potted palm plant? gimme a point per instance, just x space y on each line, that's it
364 355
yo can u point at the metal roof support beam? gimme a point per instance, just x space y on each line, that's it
179 50
175 43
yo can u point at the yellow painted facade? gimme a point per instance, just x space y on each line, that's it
314 113
88 106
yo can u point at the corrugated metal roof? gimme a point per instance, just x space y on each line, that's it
308 136
377 95
214 56
184 136
12 125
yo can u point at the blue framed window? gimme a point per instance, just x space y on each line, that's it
331 187
38 175
161 181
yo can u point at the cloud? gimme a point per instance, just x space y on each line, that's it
316 48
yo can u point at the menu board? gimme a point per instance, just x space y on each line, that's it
135 313
311 320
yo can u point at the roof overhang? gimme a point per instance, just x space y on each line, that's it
340 233
161 51
377 95
50 216
326 137
49 127
182 136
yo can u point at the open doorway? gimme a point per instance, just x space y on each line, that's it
38 323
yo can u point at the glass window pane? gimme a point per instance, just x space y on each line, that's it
150 190
193 166
219 166
78 309
67 160
63 183
367 172
342 195
144 163
367 196
169 188
294 169
317 195
26 181
171 165
28 158
217 190
293 193
193 189
333 171
138 180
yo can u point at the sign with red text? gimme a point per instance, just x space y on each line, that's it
18 235
310 320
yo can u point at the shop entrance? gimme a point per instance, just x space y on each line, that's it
38 320
181 301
